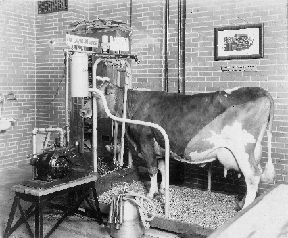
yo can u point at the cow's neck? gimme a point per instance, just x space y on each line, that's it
133 99
133 105
119 98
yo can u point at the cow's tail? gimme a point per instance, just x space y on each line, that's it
269 172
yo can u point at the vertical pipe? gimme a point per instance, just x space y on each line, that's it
130 22
94 129
179 46
166 88
183 21
94 116
131 5
166 24
67 98
127 80
34 153
115 133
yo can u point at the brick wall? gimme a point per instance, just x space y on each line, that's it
17 75
42 76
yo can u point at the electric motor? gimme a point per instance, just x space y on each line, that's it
51 165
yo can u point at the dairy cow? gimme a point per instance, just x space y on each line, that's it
225 125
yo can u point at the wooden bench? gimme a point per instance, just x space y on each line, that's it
41 194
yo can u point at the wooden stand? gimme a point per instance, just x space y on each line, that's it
41 196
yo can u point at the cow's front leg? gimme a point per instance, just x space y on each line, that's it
161 167
148 153
154 184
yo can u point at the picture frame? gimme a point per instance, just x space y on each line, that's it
239 42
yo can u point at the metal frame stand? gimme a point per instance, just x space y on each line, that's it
41 197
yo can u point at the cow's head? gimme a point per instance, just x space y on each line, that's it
114 98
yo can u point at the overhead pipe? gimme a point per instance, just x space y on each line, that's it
165 48
94 90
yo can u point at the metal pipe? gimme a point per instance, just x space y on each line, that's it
130 22
35 131
131 5
181 45
165 48
127 80
183 21
94 117
138 122
67 97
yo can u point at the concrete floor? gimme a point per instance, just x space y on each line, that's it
72 227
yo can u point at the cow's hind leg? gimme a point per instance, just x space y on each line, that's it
251 173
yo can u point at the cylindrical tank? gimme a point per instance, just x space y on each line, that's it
132 225
79 75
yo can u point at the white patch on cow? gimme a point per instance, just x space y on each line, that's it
229 91
233 135
235 138
229 142
198 157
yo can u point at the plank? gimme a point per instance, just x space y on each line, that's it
40 191
179 227
154 233
267 216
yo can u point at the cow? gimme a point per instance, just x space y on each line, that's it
226 125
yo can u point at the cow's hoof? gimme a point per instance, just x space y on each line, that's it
240 204
150 195
162 190
238 207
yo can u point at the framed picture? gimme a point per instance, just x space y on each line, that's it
239 42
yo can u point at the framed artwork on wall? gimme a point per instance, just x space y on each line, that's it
239 42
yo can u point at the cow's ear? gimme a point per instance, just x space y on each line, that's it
110 89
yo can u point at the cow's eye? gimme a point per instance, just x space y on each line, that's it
108 92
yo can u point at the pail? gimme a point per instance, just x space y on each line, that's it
127 216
